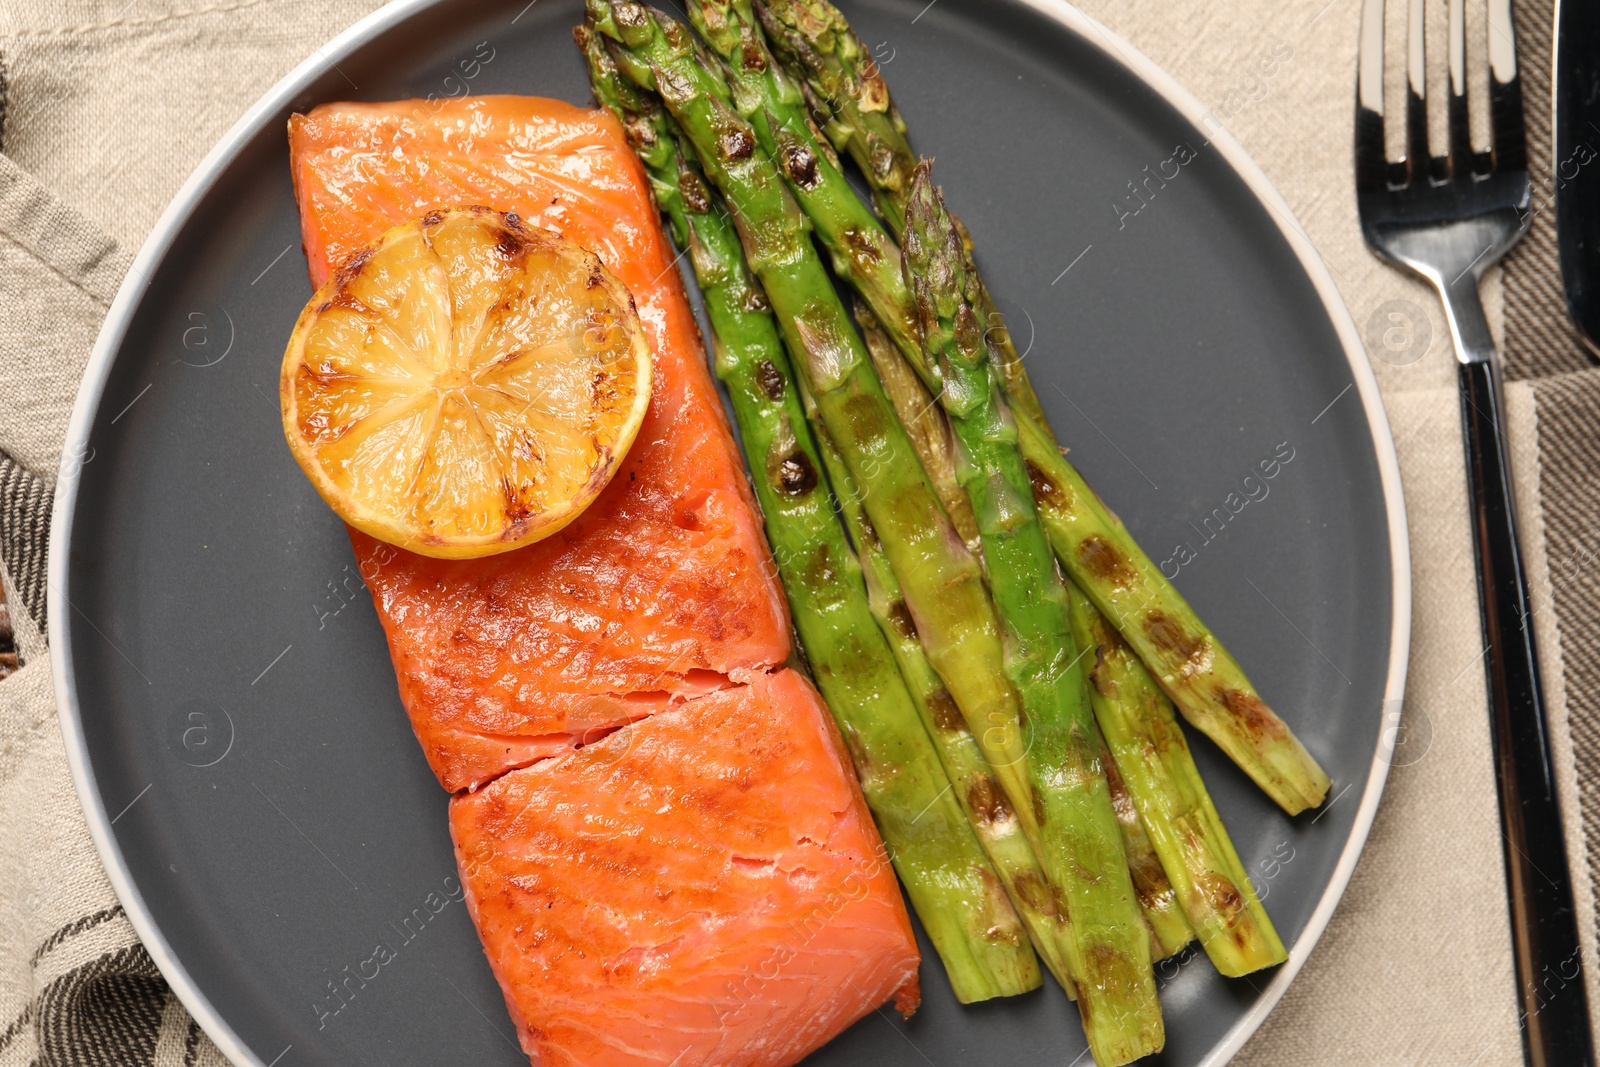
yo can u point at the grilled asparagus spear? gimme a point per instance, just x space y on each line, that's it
923 419
819 46
858 246
930 434
817 42
1194 669
945 869
1109 951
1147 745
1169 927
991 814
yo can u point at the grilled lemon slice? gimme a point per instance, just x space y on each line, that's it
466 385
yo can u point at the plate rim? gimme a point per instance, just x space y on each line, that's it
1366 385
119 316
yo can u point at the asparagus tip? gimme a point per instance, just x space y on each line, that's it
935 267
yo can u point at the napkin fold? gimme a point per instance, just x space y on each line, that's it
109 104
107 107
76 985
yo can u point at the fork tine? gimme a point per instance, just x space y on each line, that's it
1371 164
1505 90
1416 91
1460 143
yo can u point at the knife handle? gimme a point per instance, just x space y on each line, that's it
1553 1004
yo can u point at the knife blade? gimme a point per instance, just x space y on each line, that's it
1576 75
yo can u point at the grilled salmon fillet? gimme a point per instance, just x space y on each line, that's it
663 588
665 852
703 886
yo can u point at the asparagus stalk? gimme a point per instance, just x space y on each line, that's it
816 42
1169 927
924 421
981 795
1138 725
1109 948
945 868
1194 667
858 246
1203 679
1197 671
1184 656
860 249
930 434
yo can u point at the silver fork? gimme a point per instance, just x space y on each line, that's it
1448 218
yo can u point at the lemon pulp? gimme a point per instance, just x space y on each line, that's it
466 385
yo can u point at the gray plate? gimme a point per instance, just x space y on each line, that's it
229 707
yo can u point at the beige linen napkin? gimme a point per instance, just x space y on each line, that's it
1416 966
111 104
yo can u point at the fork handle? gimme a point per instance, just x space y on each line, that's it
1553 1005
